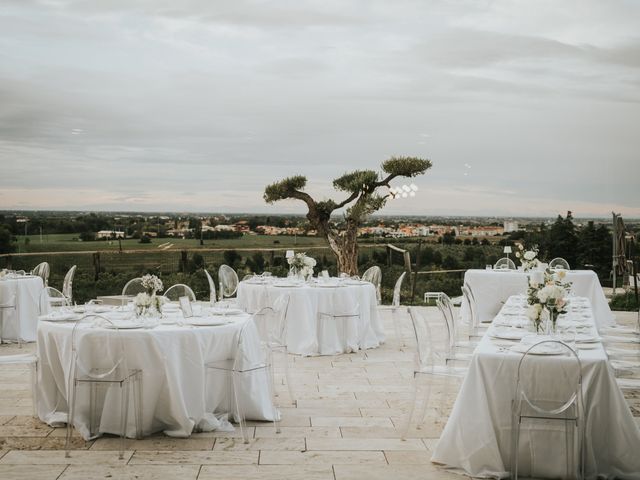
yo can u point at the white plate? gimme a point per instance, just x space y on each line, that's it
549 349
508 333
287 285
67 317
224 311
124 325
206 321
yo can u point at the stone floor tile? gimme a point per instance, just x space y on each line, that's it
42 443
56 457
351 422
25 430
325 412
401 457
322 458
155 443
364 444
267 472
194 458
299 432
286 421
280 443
31 472
385 472
131 472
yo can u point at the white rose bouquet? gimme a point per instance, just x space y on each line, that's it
152 284
301 264
148 303
528 258
546 293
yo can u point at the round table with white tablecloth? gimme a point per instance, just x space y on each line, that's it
178 394
21 322
307 301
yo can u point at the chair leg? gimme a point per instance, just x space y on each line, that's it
287 376
276 423
72 406
320 333
239 412
124 412
137 404
397 328
407 425
425 403
33 372
93 408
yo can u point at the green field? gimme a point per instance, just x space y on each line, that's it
71 243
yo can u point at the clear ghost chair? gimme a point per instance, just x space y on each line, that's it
9 305
228 279
99 361
240 365
212 288
174 292
42 270
446 310
557 398
67 285
559 264
54 297
431 364
271 323
133 287
476 330
504 264
395 307
343 311
374 275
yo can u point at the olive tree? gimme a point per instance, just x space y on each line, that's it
363 198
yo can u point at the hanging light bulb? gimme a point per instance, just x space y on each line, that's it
412 194
413 187
405 194
406 188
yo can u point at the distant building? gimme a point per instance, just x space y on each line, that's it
510 226
109 234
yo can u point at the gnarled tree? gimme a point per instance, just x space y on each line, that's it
361 187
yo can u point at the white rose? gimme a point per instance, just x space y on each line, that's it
529 255
533 312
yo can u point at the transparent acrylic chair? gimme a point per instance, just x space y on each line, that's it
504 264
396 307
133 287
242 365
342 312
431 365
559 263
174 292
374 275
42 270
54 297
99 361
556 399
228 281
476 330
271 323
212 288
67 284
446 310
7 307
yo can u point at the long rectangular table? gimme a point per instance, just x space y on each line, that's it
492 287
477 436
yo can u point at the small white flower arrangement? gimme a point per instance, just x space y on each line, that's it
148 303
528 258
152 284
300 264
3 273
546 294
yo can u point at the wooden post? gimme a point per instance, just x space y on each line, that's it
415 273
183 261
96 265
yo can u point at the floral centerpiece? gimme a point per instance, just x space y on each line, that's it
3 273
301 265
528 258
147 302
546 298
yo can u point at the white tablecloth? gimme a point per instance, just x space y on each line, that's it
477 436
23 321
305 304
491 288
172 359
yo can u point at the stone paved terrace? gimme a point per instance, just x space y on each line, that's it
345 426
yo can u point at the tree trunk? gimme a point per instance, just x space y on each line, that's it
345 248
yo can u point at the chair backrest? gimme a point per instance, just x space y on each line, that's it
212 288
271 321
429 352
470 300
248 276
67 285
98 349
42 270
549 384
559 263
246 358
374 275
505 264
178 290
342 304
446 310
397 289
228 279
133 287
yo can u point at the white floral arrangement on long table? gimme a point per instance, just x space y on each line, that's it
528 258
546 297
301 264
147 302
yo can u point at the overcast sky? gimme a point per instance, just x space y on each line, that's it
524 107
